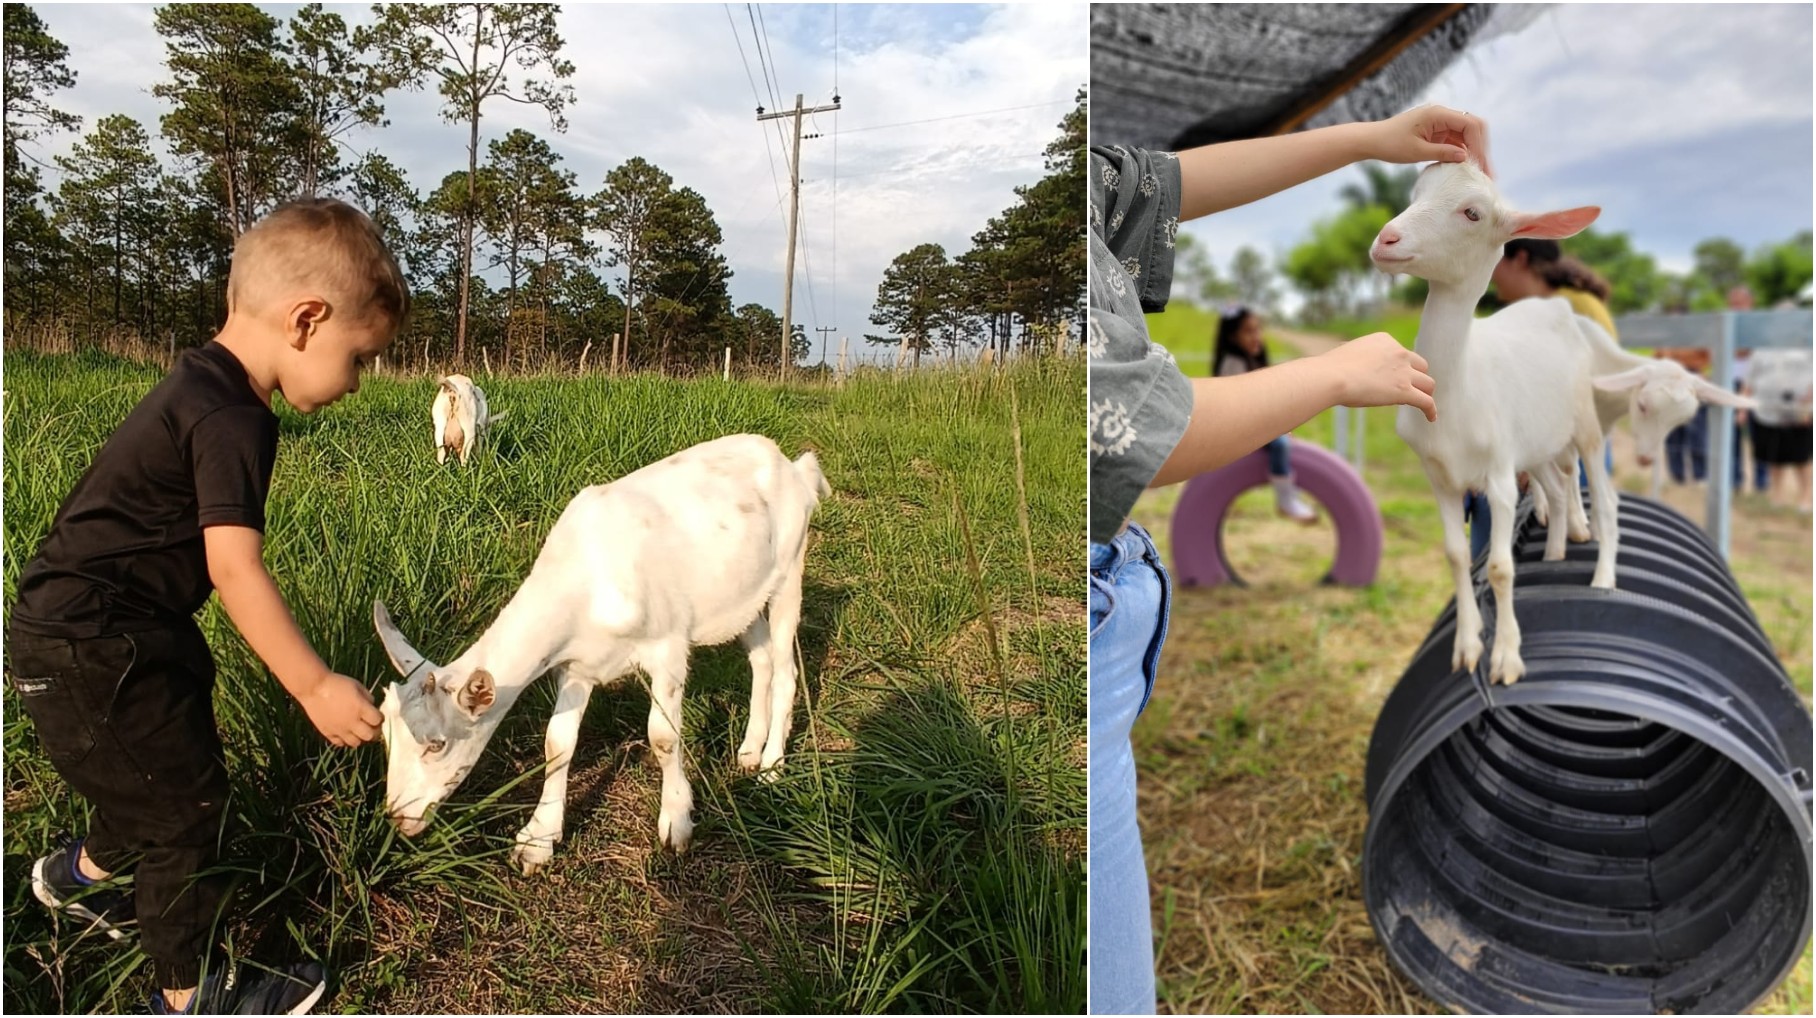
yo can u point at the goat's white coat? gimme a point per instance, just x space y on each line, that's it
689 550
461 417
1513 390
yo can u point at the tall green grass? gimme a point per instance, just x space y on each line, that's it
924 848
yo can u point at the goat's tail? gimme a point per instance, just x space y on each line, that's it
808 466
492 418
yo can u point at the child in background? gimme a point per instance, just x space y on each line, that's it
1239 348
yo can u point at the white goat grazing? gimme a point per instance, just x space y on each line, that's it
1659 395
1514 390
461 417
688 550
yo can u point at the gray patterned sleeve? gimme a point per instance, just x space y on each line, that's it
1140 402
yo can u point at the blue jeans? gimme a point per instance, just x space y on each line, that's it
1130 598
1689 441
1476 514
1279 457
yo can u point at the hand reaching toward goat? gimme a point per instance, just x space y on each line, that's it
342 710
1430 133
1377 371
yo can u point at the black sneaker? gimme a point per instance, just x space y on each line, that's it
254 989
104 904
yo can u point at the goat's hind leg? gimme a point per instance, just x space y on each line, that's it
1607 507
1548 482
536 842
784 619
756 731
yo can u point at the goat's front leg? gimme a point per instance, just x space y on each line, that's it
1579 520
1505 664
784 618
666 666
536 842
756 731
1468 647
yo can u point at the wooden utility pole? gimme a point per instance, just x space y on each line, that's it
823 330
794 211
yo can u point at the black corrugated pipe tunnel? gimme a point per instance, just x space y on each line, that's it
1624 830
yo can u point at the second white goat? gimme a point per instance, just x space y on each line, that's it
1514 390
698 548
461 417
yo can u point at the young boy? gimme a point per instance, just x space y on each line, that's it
105 653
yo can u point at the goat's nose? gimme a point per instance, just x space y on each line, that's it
1388 236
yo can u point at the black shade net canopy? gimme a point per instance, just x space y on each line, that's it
1174 76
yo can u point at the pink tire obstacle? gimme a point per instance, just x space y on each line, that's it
1198 558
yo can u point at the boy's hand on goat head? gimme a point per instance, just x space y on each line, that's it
342 710
1431 133
1377 371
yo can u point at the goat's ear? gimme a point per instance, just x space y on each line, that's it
1708 392
479 693
1623 381
1554 225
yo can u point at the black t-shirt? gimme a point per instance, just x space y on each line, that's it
125 552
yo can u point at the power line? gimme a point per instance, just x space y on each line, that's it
954 116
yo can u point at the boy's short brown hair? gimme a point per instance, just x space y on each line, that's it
321 243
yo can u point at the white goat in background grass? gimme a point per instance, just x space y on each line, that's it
1514 390
698 548
461 417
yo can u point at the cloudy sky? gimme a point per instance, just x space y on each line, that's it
1682 122
946 110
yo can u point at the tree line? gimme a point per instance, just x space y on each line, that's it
504 255
1331 269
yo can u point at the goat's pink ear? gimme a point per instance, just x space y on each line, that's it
1554 225
478 693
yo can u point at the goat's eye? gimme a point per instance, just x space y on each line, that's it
435 746
1474 216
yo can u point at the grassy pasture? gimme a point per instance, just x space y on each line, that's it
923 851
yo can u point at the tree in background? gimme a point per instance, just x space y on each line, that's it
627 208
341 84
1331 267
914 299
470 47
1254 281
1779 272
236 104
34 68
1633 278
1389 188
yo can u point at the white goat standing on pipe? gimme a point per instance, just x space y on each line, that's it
1514 390
688 550
461 417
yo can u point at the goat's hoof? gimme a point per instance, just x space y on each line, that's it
750 759
1506 667
771 772
1467 655
1581 535
675 832
532 854
1605 582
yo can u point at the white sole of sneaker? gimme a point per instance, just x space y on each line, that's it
42 891
308 1002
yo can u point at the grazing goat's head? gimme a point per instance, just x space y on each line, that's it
1455 227
1662 395
432 727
